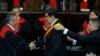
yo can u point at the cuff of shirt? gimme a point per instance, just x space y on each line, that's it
65 31
74 42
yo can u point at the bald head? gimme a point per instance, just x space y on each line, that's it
94 24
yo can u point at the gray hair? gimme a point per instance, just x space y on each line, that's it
9 17
6 20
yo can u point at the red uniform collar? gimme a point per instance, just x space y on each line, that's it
4 31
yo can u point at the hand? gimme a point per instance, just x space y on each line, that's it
32 45
59 26
91 54
81 33
69 38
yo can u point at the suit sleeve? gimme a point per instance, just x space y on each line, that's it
56 43
15 41
85 39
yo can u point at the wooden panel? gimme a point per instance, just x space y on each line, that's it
32 5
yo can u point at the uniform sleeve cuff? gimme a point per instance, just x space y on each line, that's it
65 31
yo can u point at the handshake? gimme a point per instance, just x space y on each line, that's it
32 45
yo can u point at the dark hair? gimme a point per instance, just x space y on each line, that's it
51 12
94 12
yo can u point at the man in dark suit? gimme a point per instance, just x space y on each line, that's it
54 41
16 46
92 40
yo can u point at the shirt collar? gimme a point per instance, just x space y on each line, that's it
54 22
11 27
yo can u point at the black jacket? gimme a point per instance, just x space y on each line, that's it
16 45
55 43
92 40
3 48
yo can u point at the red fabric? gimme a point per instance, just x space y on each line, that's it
84 5
85 25
43 20
16 3
21 21
53 4
4 30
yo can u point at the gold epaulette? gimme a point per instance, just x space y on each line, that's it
58 25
